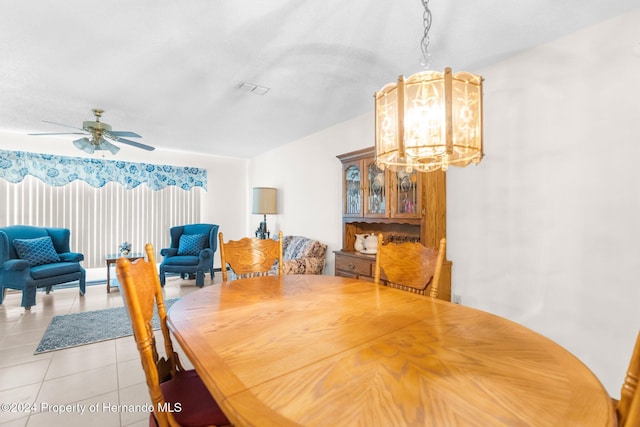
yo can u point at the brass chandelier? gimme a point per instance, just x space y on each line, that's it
430 120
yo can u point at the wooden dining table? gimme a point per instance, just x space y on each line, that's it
324 350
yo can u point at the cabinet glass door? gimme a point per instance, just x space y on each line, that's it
352 190
406 187
376 190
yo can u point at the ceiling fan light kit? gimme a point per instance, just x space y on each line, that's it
86 145
98 134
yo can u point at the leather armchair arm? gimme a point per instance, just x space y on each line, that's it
15 265
71 257
169 252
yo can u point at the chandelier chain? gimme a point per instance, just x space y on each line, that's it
424 43
429 120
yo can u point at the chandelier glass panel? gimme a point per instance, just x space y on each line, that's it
429 121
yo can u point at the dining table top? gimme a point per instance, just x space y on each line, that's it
325 350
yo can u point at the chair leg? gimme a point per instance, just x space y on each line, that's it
3 292
28 297
162 276
83 284
199 278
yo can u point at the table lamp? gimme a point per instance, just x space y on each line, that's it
264 202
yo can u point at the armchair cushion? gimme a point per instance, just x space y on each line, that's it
192 244
184 260
36 251
54 269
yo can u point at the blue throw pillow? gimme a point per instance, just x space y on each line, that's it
191 244
36 251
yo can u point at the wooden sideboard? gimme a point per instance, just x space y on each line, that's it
400 205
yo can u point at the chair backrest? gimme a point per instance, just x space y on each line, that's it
250 256
410 266
140 287
59 237
628 408
210 230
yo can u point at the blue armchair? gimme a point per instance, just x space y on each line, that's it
37 257
191 251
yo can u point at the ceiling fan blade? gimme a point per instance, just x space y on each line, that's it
60 124
134 144
59 133
96 130
128 134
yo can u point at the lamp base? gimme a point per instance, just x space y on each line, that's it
262 232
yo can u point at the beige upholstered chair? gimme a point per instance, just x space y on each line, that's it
628 408
301 255
250 256
410 266
168 382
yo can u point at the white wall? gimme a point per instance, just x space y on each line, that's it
224 201
544 231
308 177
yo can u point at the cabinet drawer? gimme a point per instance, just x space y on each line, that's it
354 265
342 273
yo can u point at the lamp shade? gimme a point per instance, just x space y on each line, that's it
264 200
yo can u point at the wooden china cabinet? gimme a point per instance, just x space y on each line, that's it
403 206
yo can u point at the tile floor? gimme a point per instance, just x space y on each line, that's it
103 376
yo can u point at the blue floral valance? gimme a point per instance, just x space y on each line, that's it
61 170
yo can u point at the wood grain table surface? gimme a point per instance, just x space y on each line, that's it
326 350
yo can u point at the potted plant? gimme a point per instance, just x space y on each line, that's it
125 248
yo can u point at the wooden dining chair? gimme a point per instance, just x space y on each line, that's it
179 396
410 266
628 407
250 256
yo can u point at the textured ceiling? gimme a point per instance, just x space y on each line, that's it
169 70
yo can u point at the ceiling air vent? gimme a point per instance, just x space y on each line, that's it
253 88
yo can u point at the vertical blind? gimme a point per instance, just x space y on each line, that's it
100 219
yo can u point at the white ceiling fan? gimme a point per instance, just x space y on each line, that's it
97 135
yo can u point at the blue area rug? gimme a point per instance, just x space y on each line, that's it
72 330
